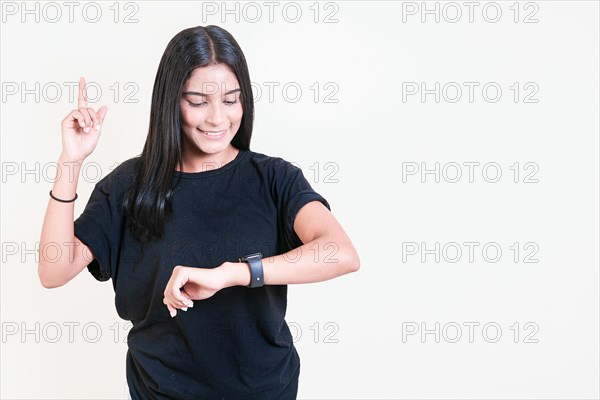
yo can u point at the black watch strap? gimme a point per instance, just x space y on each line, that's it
256 269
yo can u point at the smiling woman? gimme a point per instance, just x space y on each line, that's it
197 222
211 115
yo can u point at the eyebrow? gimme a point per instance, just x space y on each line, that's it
203 94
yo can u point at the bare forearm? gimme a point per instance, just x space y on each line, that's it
316 261
58 227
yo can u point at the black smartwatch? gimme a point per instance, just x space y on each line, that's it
256 269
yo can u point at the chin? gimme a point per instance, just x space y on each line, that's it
213 148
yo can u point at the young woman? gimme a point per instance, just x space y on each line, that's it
199 234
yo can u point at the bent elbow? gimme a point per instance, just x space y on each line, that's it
47 281
353 261
48 284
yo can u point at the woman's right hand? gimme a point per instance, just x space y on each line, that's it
81 128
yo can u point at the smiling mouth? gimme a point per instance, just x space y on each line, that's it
212 133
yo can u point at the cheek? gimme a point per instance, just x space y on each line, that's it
236 115
187 116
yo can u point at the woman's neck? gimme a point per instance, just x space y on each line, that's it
201 162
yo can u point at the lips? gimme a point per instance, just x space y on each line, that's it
213 134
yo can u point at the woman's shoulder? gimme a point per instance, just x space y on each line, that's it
121 176
270 163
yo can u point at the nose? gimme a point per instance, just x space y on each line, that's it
216 114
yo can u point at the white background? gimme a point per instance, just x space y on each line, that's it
370 53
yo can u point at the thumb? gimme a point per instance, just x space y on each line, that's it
187 297
102 113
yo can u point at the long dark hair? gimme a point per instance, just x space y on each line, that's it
148 203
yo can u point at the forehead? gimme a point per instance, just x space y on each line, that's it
211 79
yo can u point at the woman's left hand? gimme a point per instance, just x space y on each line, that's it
190 283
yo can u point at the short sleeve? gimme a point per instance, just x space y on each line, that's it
294 192
99 227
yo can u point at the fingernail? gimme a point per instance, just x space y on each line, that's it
172 313
97 127
86 130
184 308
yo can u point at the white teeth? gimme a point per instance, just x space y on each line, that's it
213 133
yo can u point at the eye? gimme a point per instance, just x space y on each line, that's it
231 102
196 104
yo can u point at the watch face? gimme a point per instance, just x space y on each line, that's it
250 257
253 256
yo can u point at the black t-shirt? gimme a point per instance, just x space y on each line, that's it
235 343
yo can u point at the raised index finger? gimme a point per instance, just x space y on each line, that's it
82 97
